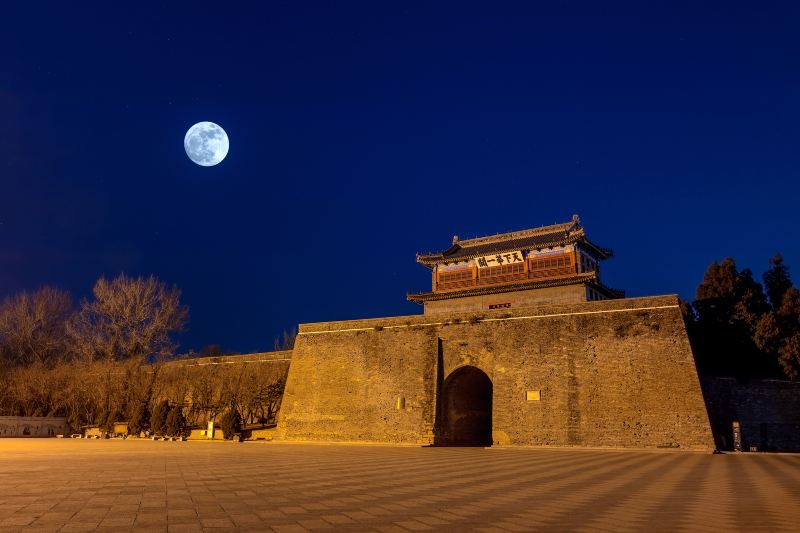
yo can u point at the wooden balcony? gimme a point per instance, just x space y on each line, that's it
455 285
469 279
497 280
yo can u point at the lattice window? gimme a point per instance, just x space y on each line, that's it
501 274
544 263
551 266
502 270
453 279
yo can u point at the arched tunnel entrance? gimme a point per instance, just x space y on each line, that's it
466 409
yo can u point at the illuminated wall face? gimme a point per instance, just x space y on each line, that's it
616 373
32 426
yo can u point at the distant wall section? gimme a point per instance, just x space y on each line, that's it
282 358
32 426
768 411
209 386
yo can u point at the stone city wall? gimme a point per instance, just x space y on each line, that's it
768 411
567 294
208 386
32 426
281 357
614 373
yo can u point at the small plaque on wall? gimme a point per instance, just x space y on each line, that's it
533 395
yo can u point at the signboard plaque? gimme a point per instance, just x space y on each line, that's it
737 436
500 259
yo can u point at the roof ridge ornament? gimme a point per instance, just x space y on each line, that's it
566 227
562 234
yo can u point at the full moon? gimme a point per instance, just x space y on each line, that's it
206 144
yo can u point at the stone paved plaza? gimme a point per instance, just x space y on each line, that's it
80 485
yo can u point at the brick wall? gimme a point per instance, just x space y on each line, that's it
615 373
32 426
279 356
768 411
209 382
569 294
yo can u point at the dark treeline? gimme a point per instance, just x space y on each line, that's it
163 397
745 329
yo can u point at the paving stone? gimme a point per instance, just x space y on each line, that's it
291 487
216 522
117 523
315 523
185 527
18 520
80 526
289 528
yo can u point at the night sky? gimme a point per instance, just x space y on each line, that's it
363 133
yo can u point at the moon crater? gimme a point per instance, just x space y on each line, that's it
206 144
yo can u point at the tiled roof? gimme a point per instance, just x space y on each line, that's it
589 278
545 237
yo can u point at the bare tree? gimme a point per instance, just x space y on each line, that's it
73 383
33 326
211 350
285 341
128 318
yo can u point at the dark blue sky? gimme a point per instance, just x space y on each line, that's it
363 133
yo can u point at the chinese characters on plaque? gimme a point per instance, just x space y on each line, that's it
504 258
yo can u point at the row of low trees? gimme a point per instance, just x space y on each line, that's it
162 397
742 328
84 361
248 393
105 361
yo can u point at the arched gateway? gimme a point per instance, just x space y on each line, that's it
508 304
466 409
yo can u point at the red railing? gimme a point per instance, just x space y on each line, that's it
544 274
